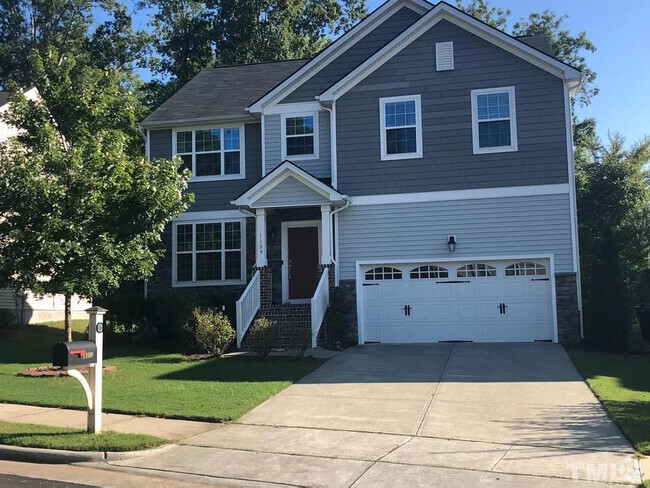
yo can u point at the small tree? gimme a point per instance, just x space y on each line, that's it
79 206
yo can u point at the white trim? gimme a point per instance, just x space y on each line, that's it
210 214
388 261
333 151
263 129
293 108
221 177
443 11
194 282
335 49
510 90
440 48
260 238
283 135
284 242
418 127
325 256
575 242
147 147
277 176
450 195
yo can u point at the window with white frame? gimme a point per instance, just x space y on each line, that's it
211 153
401 127
300 136
494 121
207 253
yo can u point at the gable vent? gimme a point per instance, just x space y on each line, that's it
444 56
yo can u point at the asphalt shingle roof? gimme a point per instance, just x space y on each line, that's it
4 97
222 92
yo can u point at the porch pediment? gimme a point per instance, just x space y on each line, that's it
288 186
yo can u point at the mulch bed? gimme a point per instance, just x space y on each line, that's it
56 371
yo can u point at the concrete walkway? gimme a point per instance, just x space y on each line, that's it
436 415
172 430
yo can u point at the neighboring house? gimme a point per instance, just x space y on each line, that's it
25 307
424 160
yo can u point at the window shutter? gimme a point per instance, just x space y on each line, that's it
444 56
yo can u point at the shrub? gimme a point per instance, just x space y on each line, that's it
302 341
209 331
339 325
7 319
264 334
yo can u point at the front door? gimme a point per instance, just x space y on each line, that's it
303 261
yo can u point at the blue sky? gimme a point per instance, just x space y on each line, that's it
622 61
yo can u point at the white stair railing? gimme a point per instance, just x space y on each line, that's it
247 306
319 303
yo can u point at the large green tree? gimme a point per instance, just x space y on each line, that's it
190 35
567 46
80 207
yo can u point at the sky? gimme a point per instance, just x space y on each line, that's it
622 61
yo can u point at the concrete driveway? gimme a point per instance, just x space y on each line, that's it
434 415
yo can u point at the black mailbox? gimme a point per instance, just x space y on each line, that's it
74 353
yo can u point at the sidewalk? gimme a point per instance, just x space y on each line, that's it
172 430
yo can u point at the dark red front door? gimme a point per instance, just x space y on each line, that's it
303 261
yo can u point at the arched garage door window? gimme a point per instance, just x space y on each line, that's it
424 272
526 268
383 273
476 270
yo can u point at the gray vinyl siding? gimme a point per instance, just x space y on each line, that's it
217 195
354 56
320 168
291 191
449 162
489 227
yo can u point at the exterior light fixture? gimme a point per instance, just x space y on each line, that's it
451 243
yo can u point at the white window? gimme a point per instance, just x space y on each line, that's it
208 253
300 136
494 121
401 127
211 153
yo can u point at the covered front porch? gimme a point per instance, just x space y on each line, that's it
294 252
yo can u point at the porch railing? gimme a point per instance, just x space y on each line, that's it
247 306
319 304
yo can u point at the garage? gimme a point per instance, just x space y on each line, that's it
479 300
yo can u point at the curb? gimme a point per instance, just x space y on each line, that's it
58 456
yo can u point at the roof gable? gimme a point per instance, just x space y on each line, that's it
444 11
334 50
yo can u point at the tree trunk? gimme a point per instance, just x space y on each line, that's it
68 317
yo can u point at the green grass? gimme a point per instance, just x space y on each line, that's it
622 383
148 381
28 435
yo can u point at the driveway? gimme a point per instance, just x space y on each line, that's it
433 415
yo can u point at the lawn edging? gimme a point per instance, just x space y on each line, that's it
59 456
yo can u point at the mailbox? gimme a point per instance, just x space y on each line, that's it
74 353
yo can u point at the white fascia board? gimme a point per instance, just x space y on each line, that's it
277 176
290 108
210 215
443 11
337 48
451 195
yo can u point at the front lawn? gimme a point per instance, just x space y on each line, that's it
147 381
42 436
622 383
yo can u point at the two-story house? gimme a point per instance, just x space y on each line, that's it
423 161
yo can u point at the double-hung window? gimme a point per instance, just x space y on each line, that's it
208 253
494 122
401 127
300 136
212 154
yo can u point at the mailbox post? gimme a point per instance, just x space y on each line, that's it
95 373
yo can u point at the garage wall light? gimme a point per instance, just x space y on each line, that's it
451 243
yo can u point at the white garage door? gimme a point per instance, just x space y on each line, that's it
481 301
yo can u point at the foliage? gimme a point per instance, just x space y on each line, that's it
80 205
264 334
566 46
302 336
147 381
7 319
339 325
46 437
613 202
209 331
195 34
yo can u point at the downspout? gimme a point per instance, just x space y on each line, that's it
146 153
333 158
347 201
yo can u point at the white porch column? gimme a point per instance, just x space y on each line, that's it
326 232
260 237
